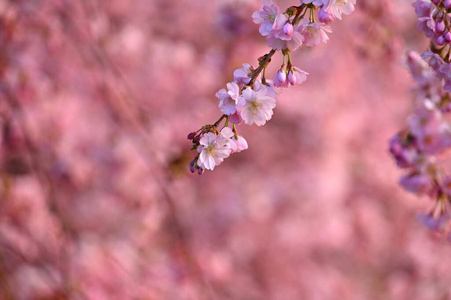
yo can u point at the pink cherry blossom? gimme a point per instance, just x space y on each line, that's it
266 16
283 36
339 7
315 2
237 144
255 106
271 90
419 184
281 79
325 16
229 98
296 76
243 75
314 33
213 150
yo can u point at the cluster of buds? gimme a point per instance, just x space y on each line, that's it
250 98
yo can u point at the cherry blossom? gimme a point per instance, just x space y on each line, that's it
237 143
284 35
243 75
213 150
251 97
339 7
256 107
314 33
266 16
229 98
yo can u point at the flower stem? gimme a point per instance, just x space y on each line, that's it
263 64
219 121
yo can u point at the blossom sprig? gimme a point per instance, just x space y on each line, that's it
419 147
251 98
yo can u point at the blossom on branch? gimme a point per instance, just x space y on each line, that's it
251 97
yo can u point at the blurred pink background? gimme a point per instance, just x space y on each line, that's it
96 199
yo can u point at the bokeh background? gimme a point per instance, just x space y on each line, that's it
96 200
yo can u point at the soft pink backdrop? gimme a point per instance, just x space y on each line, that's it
96 200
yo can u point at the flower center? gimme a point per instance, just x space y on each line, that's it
210 150
255 107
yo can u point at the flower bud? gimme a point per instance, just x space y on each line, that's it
281 76
419 184
292 77
196 139
436 2
325 17
192 166
288 29
447 36
440 41
191 135
440 26
447 4
200 171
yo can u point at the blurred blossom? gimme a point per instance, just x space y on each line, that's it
96 199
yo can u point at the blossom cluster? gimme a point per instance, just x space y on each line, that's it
250 98
419 148
434 20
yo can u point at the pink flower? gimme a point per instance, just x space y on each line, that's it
266 16
406 156
284 35
237 144
268 87
314 33
296 75
338 7
243 75
419 184
432 133
315 2
235 118
424 9
436 63
418 68
213 150
229 98
256 106
325 16
433 223
281 78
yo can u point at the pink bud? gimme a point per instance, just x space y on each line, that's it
447 4
191 135
192 166
197 138
436 2
416 183
281 76
292 77
325 17
288 29
440 41
235 118
440 27
448 36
